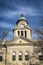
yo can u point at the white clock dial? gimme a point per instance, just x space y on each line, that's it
21 26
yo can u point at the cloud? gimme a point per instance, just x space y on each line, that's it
6 25
29 11
10 9
11 33
10 4
25 10
9 36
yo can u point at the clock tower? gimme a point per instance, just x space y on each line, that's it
22 29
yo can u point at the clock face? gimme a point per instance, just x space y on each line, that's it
22 26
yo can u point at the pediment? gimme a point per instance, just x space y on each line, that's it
20 40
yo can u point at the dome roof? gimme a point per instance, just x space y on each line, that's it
22 18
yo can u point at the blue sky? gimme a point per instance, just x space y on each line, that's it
10 11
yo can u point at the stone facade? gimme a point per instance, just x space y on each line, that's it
19 50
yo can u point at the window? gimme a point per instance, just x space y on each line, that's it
21 33
0 56
40 57
20 56
18 32
26 56
25 33
14 56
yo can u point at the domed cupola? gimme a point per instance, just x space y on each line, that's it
21 19
22 28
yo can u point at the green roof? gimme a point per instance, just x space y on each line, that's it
21 18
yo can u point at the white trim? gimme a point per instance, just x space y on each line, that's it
14 53
26 53
20 53
40 53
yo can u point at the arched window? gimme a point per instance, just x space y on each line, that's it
14 56
20 56
0 56
21 33
26 55
40 56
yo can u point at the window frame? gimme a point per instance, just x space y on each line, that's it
20 56
21 33
40 57
1 57
14 56
26 56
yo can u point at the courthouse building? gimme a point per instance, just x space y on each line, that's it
19 50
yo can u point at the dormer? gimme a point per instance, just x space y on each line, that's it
22 28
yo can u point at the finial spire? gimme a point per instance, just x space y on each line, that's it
21 15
